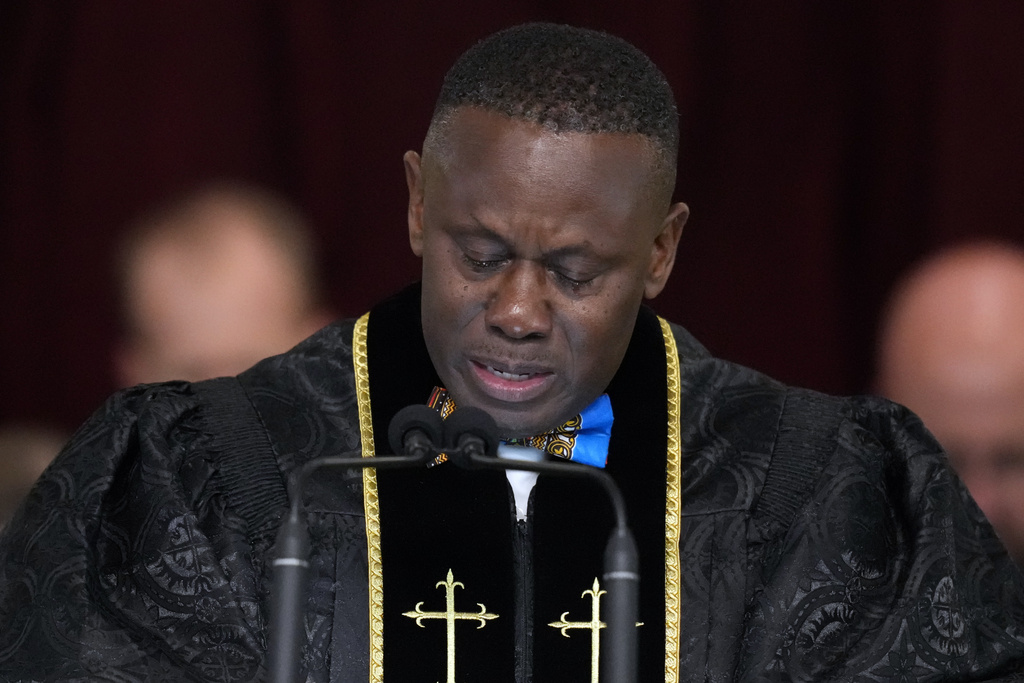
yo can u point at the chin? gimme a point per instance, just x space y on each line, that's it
515 429
516 419
511 424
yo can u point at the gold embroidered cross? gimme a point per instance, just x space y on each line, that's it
450 616
594 625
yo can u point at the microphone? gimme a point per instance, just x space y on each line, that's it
413 431
469 435
471 438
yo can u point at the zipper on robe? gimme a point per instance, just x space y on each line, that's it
523 558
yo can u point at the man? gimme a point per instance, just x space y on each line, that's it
214 282
782 534
952 349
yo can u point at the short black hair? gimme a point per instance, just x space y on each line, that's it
568 79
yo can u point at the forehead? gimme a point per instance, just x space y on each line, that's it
477 148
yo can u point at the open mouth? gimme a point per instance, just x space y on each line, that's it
511 376
511 385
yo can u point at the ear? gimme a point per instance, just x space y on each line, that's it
663 251
414 180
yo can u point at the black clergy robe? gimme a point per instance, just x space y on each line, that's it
784 534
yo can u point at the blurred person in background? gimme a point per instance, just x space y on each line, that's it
951 348
214 282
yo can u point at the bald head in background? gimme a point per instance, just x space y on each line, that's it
214 283
952 350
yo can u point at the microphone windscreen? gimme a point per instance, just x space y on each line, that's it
414 417
472 421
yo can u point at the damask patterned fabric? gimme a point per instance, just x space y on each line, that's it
823 539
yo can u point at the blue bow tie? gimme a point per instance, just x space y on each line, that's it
582 439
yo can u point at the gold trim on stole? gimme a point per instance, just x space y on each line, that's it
371 502
371 505
673 508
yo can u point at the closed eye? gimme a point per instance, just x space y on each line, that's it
573 283
483 264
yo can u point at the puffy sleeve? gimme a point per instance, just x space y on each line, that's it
888 570
127 561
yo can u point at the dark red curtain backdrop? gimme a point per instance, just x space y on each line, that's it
826 145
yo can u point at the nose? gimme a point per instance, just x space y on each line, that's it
519 306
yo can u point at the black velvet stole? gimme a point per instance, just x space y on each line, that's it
446 519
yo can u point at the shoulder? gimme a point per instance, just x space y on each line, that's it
306 398
144 443
323 359
767 438
153 423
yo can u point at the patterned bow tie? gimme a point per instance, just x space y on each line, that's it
583 438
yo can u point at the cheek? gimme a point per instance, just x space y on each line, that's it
599 334
448 300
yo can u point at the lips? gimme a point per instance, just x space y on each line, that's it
510 384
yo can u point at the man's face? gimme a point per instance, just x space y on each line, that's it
211 310
537 251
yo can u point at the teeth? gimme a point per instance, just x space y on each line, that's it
507 375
